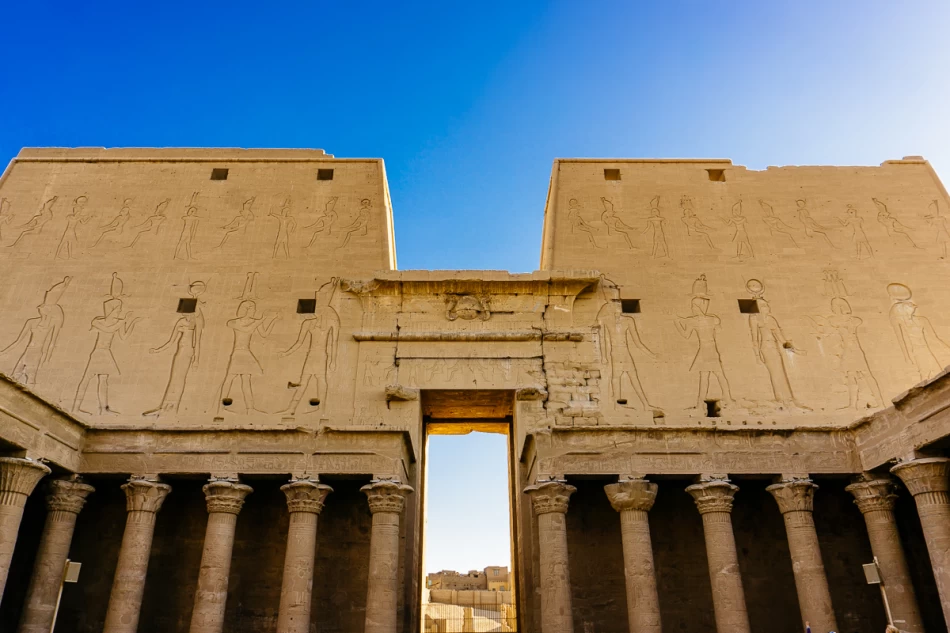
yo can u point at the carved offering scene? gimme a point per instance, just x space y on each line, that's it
721 393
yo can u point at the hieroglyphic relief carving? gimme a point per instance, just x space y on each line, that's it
578 223
40 335
776 224
834 284
287 225
859 239
655 223
324 221
707 361
614 223
186 337
467 308
360 225
695 226
5 216
770 345
153 222
740 236
934 219
37 222
812 228
69 242
378 372
323 330
916 335
891 224
617 332
242 364
117 224
101 364
842 326
240 222
189 226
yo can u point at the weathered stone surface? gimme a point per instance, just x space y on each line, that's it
690 317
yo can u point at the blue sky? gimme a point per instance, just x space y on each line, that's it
469 103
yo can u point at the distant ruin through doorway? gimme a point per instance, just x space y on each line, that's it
468 500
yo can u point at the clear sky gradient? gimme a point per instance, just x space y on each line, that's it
469 103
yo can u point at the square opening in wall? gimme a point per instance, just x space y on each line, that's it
630 306
187 305
324 174
748 306
219 173
306 306
717 175
611 174
712 408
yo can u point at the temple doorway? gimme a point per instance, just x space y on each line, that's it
468 574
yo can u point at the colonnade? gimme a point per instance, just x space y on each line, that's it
875 495
224 499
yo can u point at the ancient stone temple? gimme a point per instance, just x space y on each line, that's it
723 391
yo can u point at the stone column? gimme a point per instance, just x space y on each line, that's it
875 497
144 499
18 478
714 501
305 499
633 498
64 502
387 499
795 499
225 499
926 478
549 500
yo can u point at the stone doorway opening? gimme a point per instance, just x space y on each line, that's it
468 537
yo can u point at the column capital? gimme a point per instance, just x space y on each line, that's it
928 474
797 495
632 494
550 496
224 495
306 495
18 477
386 496
713 496
873 494
67 495
144 495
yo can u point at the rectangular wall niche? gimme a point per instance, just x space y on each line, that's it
324 174
187 305
630 306
219 173
748 306
611 174
717 175
306 306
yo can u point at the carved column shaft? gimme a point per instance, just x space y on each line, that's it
875 498
18 478
143 501
796 502
225 500
714 501
65 500
633 499
387 499
927 481
550 501
305 500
